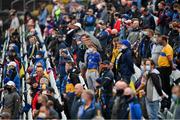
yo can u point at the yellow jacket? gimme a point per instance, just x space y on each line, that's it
115 53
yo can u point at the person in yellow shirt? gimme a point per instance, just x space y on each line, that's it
165 66
115 50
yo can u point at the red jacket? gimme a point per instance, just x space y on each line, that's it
34 101
117 25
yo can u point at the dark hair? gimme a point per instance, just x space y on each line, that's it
152 62
164 38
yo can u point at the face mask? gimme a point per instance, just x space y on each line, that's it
38 56
120 50
8 89
127 97
53 36
38 105
90 50
83 101
145 33
119 92
133 10
174 97
148 68
98 87
123 47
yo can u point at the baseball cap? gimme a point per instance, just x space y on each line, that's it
11 83
126 43
78 25
12 64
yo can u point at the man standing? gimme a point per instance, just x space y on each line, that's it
119 110
56 105
92 60
77 101
105 85
147 19
14 21
87 110
11 100
165 64
124 62
90 21
153 90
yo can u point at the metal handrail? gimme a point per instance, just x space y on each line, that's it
30 1
51 75
13 2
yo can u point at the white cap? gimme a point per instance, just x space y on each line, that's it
78 25
11 83
12 64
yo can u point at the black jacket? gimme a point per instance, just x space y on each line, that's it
75 106
120 108
57 106
11 104
107 78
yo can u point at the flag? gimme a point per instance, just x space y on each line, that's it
22 72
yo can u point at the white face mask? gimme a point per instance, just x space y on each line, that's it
38 56
90 49
145 33
123 47
53 35
148 67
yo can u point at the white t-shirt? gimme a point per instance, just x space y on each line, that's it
14 23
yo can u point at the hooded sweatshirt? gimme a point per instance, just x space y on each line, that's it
153 86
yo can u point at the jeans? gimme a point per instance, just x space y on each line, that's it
152 108
91 76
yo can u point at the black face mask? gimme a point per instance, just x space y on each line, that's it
104 68
127 97
98 87
38 105
9 89
120 92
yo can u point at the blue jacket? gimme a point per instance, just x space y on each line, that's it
90 21
16 80
89 113
145 47
135 111
103 38
125 65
